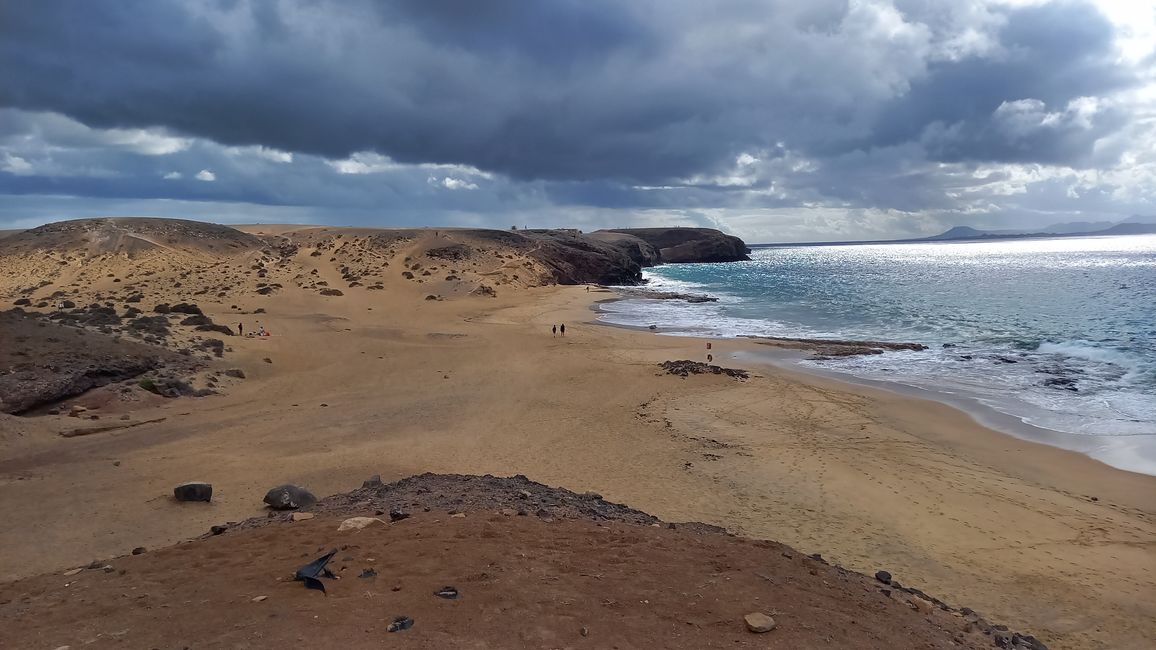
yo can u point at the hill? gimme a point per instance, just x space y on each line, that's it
518 564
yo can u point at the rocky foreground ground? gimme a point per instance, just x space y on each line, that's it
478 562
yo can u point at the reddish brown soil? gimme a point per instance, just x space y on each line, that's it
524 582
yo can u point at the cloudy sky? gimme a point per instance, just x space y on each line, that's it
776 120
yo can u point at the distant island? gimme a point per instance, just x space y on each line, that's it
1134 225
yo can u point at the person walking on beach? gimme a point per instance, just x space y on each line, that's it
240 329
554 330
562 329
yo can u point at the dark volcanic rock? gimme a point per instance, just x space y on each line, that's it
194 491
47 362
573 258
186 308
1065 383
289 497
194 321
685 368
677 245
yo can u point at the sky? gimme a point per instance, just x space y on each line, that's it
774 120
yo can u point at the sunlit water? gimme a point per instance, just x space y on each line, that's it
1058 333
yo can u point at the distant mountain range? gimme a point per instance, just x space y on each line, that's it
1134 225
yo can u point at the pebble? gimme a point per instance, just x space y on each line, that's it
72 572
138 550
883 576
302 516
260 599
400 623
358 523
459 515
758 622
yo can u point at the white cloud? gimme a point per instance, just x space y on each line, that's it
150 142
16 165
363 162
1024 116
369 162
172 176
206 175
270 154
451 183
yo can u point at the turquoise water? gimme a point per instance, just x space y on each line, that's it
1058 333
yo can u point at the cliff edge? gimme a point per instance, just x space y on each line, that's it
682 245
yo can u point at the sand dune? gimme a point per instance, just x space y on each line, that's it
385 381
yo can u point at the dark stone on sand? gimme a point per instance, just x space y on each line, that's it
289 497
217 530
193 491
140 550
235 372
195 320
372 481
398 515
883 576
23 302
400 623
186 308
685 368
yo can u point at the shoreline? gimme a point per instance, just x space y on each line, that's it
789 358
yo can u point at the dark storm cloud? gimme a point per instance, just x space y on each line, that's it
1052 53
570 90
588 107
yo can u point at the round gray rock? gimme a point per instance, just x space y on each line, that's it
289 497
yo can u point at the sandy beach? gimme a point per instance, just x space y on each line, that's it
386 382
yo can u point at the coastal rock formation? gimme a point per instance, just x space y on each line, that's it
665 295
830 348
679 245
686 368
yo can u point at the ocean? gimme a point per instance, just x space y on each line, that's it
1057 336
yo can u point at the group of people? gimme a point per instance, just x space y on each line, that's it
260 330
556 329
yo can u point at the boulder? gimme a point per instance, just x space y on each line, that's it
289 497
193 491
883 576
